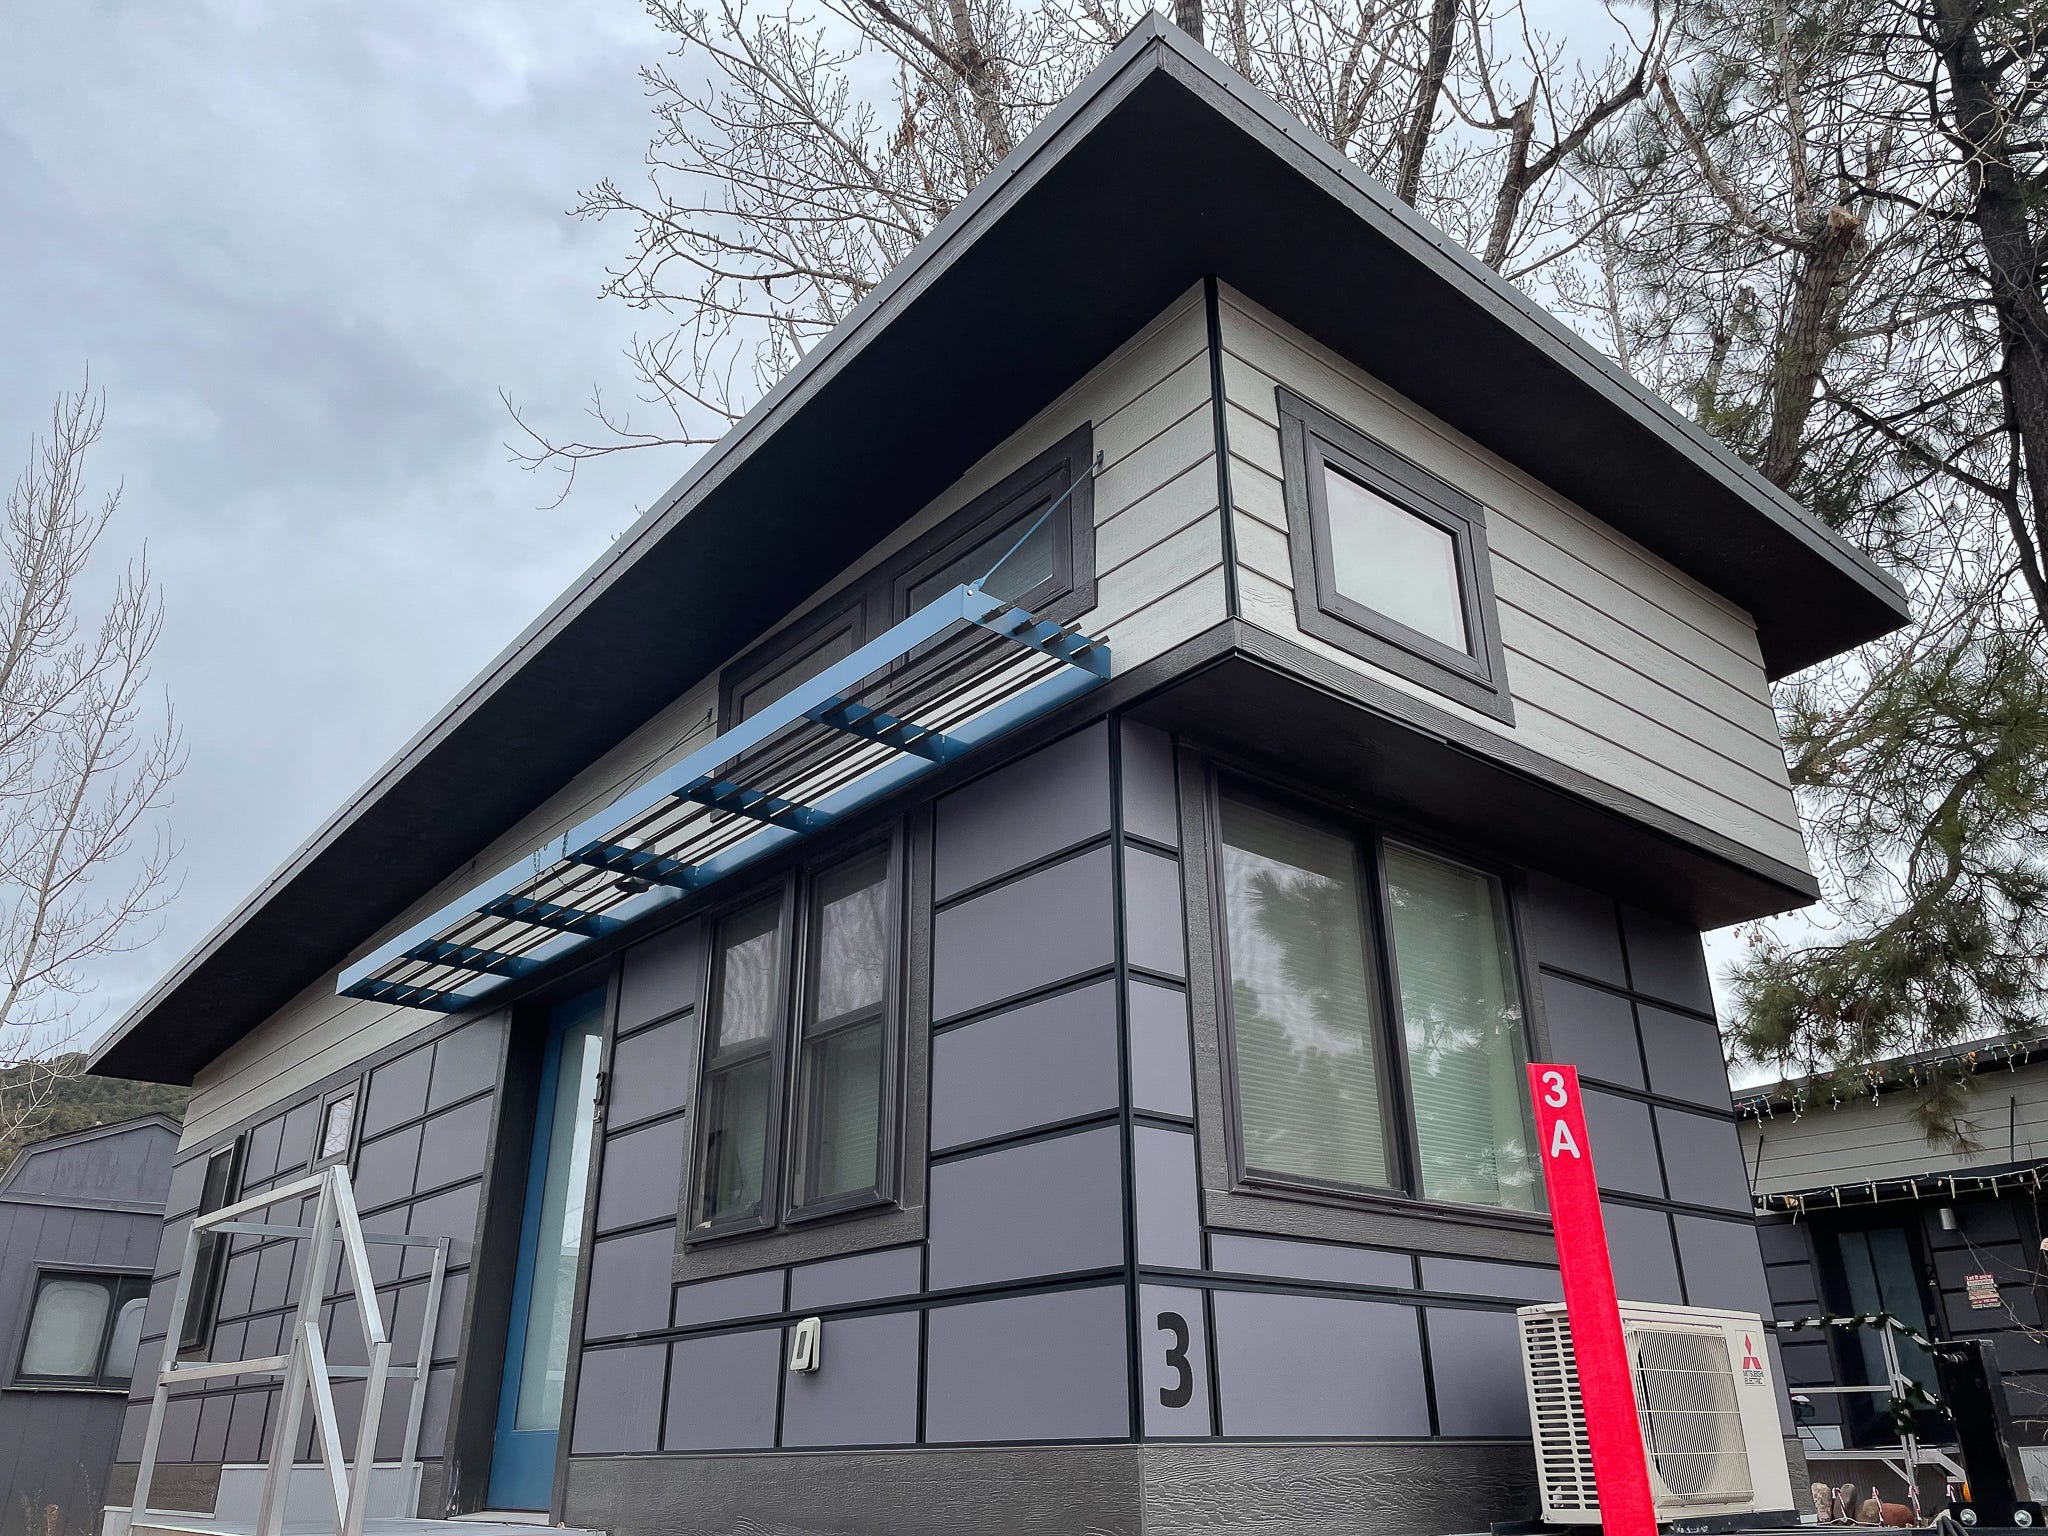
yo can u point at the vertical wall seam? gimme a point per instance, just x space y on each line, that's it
1224 504
1133 1363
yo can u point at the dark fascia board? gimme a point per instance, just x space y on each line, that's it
1162 169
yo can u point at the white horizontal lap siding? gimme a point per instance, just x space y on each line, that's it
1159 580
1620 666
1855 1142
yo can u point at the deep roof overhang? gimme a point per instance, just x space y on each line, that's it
1163 168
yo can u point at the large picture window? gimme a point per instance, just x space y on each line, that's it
83 1329
1390 561
1375 1023
801 1037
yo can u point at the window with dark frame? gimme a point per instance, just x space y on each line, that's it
801 1037
1032 535
1390 561
84 1327
219 1188
1374 1022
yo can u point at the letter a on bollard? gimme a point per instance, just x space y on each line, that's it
1620 1472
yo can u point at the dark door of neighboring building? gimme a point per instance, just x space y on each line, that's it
550 1242
1867 1267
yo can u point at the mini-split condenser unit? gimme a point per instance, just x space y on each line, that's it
1705 1396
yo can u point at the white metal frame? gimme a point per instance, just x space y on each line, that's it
304 1365
1906 1461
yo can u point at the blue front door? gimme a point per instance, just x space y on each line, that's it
550 1242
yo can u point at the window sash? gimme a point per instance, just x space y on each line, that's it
221 1186
1296 1058
1461 1004
1417 1156
821 1040
744 1148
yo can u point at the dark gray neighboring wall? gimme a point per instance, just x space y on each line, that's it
91 1201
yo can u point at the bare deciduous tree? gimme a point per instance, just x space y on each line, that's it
801 154
84 771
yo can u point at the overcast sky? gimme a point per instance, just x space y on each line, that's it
302 246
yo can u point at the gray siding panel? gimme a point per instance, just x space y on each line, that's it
1666 960
1169 1205
1593 1030
1640 1247
1576 929
1151 805
660 976
1685 1057
643 1175
865 1389
1049 1366
1318 1365
1044 1208
618 1400
1721 1264
629 1283
1336 1263
1524 1283
1703 1160
1152 913
978 954
1624 1151
722 1390
1162 1072
650 1072
1053 799
863 1277
1040 1064
1475 1363
715 1301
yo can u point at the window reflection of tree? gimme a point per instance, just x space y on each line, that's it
1308 1074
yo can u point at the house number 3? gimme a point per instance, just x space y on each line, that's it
1183 1389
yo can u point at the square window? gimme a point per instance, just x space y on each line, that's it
1393 561
1390 561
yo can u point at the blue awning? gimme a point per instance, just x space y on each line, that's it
959 672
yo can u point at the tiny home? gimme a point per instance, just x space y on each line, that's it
1861 1212
974 973
80 1219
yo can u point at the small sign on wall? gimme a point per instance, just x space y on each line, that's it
1982 1291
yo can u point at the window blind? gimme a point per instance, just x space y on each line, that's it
1462 1018
1304 1023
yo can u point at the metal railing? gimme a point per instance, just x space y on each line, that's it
304 1366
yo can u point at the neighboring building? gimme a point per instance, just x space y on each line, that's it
1861 1212
1138 1097
80 1218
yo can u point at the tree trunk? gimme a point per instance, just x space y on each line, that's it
978 71
1443 24
1514 185
1807 339
1187 15
1999 208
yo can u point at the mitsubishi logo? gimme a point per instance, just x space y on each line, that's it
1752 1366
